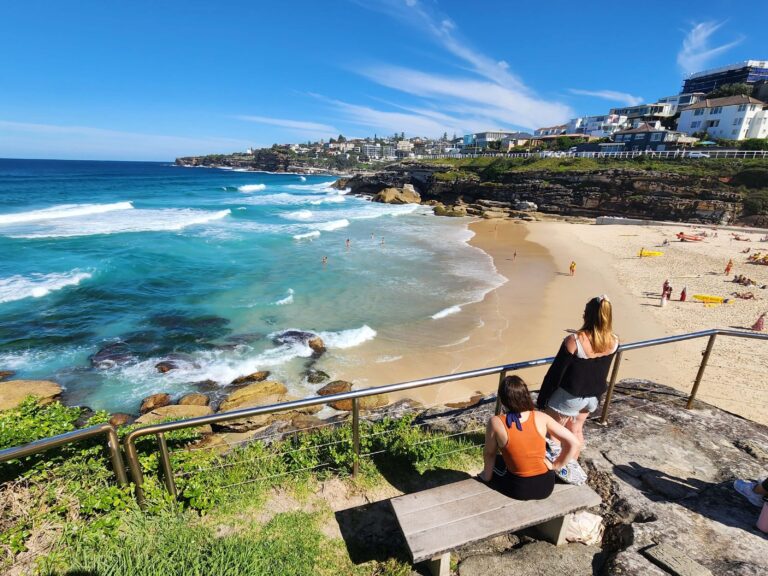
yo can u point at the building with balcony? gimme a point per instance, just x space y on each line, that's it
731 118
637 115
648 137
746 72
559 130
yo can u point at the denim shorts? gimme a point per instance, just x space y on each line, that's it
569 405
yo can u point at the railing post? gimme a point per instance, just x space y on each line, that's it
502 375
611 385
135 468
700 373
165 461
355 436
113 443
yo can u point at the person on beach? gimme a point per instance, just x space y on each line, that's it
572 268
514 255
756 494
325 260
759 326
576 380
514 456
347 243
684 294
728 266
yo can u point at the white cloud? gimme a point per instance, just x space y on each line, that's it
292 124
696 52
612 95
31 140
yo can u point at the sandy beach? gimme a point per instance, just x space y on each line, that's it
528 316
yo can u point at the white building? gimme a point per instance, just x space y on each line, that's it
679 101
404 146
551 130
372 151
731 118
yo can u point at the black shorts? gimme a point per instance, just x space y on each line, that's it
518 487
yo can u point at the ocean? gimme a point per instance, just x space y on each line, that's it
109 268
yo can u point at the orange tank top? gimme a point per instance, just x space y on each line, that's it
525 449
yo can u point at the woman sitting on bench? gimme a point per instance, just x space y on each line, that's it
522 470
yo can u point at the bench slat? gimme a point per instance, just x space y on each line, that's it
445 527
438 495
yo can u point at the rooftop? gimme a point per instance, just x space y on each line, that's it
725 101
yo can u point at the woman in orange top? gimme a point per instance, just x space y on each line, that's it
515 447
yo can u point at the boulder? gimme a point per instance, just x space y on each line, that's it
194 400
337 387
121 419
111 355
317 345
165 366
317 376
491 214
374 402
176 412
255 394
306 421
259 376
405 195
154 401
12 392
5 374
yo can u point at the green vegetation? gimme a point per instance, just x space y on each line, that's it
61 512
731 90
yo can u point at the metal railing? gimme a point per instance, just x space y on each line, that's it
44 444
687 154
159 430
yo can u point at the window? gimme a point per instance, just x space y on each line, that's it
734 132
698 112
737 121
742 107
716 110
656 137
639 136
713 123
752 108
695 124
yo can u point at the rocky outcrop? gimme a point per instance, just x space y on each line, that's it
259 376
12 392
619 192
5 374
177 412
194 399
337 387
260 394
405 195
165 366
316 376
154 401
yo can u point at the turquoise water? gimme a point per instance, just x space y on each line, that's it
207 269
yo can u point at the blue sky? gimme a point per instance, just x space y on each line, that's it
145 80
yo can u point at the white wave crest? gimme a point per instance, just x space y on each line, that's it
348 338
386 359
38 285
63 211
252 187
446 312
307 235
324 187
287 300
332 225
297 215
137 220
303 178
331 199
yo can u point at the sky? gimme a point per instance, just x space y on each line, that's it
154 80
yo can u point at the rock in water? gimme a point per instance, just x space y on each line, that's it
337 387
316 376
154 401
317 345
194 400
111 355
12 392
165 366
5 374
255 377
405 195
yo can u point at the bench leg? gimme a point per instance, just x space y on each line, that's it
554 530
440 565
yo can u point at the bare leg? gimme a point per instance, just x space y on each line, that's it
576 425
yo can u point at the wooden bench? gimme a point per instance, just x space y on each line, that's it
436 521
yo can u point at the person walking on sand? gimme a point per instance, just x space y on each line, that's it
514 255
684 294
572 268
728 266
576 380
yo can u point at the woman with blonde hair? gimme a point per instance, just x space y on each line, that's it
576 380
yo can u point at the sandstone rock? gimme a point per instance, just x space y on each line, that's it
337 387
317 345
165 366
536 559
259 376
121 419
176 412
491 214
5 374
374 402
213 442
405 195
154 401
12 392
306 421
194 400
256 394
317 376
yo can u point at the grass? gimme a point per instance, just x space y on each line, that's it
258 510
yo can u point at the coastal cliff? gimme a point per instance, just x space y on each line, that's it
627 192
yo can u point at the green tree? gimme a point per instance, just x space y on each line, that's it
754 144
341 138
731 90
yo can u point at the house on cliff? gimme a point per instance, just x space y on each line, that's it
734 118
647 136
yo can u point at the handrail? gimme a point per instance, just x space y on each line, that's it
160 429
113 444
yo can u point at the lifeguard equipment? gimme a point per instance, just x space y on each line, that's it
708 299
644 253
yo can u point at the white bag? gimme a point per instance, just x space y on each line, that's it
585 527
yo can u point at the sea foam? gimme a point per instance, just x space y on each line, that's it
287 300
307 235
38 285
348 338
297 215
63 211
252 187
446 312
332 225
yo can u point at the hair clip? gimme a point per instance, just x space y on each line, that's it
603 297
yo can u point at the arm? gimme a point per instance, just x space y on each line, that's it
568 441
556 372
489 451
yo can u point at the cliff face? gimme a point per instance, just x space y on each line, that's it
615 192
261 160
